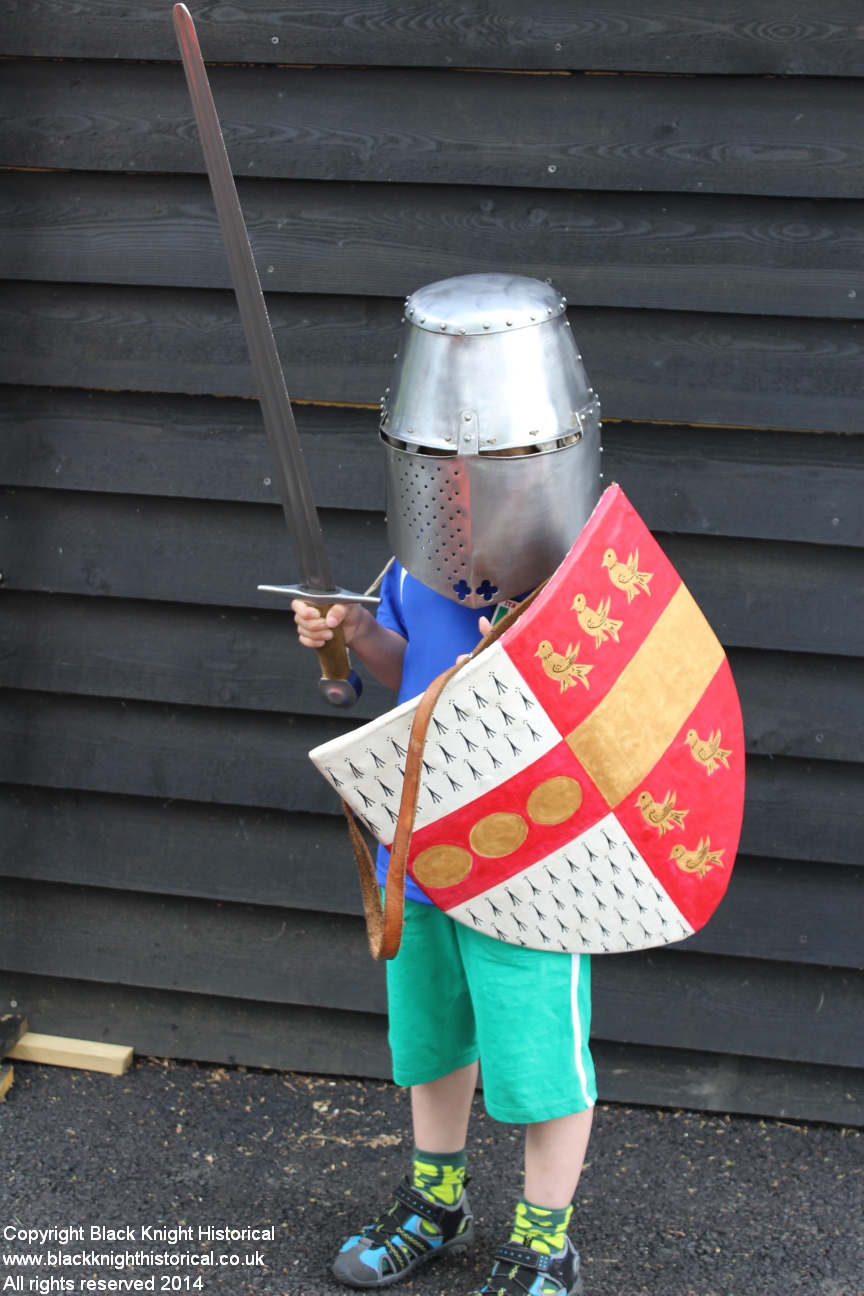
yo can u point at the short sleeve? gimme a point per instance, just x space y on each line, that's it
389 612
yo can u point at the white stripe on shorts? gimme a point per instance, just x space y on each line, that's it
575 965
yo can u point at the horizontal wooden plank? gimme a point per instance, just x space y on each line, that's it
216 553
658 366
172 847
729 481
678 134
795 704
242 758
791 911
795 809
710 481
156 339
166 1023
763 256
763 1009
714 570
802 810
150 550
771 36
199 656
239 951
716 1082
201 447
749 1006
786 910
206 1028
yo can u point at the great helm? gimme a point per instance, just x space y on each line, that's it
491 436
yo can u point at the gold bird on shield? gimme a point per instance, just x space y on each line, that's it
562 667
707 752
626 576
661 816
698 860
597 623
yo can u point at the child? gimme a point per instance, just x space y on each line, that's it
486 362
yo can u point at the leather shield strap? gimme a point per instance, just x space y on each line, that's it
384 924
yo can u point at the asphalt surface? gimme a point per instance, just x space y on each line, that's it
670 1203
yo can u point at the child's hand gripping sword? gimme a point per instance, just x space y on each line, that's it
340 685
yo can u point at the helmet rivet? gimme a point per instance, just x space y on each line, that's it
467 418
411 311
485 325
402 321
422 319
509 323
533 317
563 301
462 331
548 310
443 328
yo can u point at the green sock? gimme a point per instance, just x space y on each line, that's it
540 1229
440 1175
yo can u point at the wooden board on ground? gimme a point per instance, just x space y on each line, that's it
83 1055
7 1077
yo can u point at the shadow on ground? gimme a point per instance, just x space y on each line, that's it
670 1203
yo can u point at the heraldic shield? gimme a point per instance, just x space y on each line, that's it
583 777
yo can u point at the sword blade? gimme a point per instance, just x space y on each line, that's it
292 479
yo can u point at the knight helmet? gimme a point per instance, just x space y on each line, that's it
491 436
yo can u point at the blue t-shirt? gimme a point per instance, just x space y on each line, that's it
438 630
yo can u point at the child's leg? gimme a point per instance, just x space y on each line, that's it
441 1109
533 1011
434 1046
554 1155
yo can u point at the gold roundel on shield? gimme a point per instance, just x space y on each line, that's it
442 866
555 800
498 834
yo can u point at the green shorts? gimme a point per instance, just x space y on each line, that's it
456 995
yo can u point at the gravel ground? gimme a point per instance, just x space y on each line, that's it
671 1203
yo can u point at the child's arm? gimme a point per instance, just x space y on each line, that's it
379 649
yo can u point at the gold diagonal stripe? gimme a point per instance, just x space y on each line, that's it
628 732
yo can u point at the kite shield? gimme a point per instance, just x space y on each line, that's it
583 777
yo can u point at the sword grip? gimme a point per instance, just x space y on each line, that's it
339 684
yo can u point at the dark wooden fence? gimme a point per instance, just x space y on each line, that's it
174 873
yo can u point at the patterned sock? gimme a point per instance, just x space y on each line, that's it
440 1176
540 1229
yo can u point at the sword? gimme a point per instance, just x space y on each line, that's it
339 685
